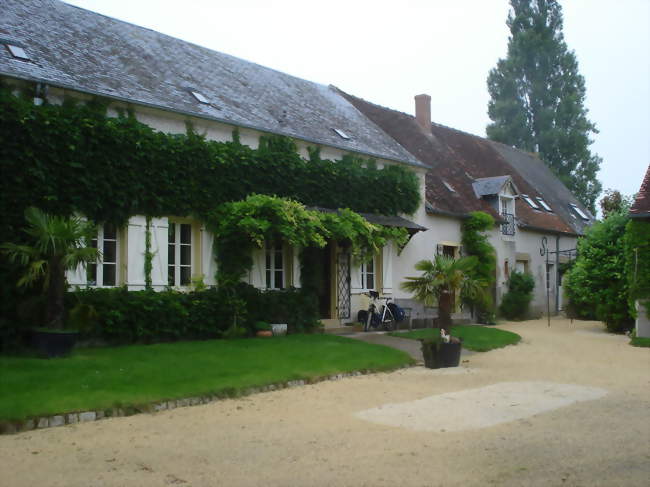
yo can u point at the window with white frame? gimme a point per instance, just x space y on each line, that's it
103 272
274 265
179 254
368 274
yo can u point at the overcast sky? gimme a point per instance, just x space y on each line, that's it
388 51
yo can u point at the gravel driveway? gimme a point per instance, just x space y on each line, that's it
594 431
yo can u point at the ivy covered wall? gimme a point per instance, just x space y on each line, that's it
73 158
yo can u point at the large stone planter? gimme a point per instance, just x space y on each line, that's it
440 355
54 343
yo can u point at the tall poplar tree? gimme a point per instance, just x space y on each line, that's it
537 98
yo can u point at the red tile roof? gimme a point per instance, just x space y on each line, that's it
459 159
641 206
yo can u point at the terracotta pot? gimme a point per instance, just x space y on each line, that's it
264 333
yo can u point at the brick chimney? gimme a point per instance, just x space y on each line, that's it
423 112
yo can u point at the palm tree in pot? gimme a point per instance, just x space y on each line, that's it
57 244
439 282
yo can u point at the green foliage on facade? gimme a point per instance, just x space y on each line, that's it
597 284
73 158
537 98
514 305
475 242
240 227
637 261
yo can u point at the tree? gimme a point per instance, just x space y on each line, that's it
614 202
597 283
440 279
58 244
537 98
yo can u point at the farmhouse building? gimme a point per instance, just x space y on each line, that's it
59 51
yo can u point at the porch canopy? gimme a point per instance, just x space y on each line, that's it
385 220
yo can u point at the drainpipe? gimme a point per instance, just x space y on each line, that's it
557 274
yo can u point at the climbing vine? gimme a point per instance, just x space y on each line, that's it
74 158
475 242
240 227
148 255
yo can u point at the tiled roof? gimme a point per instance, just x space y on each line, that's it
641 206
81 50
460 159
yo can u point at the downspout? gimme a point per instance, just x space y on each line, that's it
557 274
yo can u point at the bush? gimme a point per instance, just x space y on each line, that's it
514 305
597 284
149 316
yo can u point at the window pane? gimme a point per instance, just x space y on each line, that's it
370 266
370 281
171 254
278 260
186 276
110 251
269 284
110 232
186 233
91 274
93 243
278 279
186 255
171 233
268 259
109 274
170 275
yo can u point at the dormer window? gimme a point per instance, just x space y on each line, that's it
341 134
200 97
578 212
507 204
544 204
530 201
17 52
448 186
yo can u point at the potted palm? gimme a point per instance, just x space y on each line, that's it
55 244
441 279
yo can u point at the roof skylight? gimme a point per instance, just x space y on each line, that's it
200 97
530 201
544 204
341 134
579 212
17 52
448 186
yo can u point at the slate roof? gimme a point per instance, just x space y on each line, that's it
81 50
641 206
489 186
461 159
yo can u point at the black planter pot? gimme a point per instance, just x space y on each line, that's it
54 343
441 355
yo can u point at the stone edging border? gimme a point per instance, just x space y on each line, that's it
41 422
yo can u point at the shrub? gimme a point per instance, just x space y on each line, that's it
597 285
514 305
149 316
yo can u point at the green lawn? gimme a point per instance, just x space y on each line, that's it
477 338
99 378
640 342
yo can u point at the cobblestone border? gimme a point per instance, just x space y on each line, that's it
41 422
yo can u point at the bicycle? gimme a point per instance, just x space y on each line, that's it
379 313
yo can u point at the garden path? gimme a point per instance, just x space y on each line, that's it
314 435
